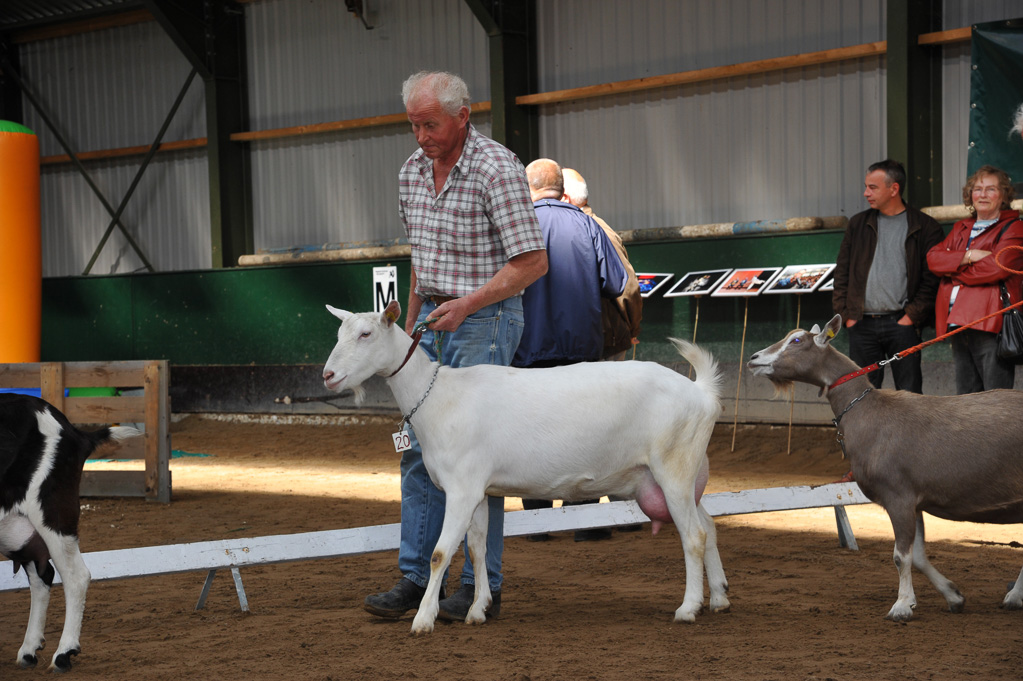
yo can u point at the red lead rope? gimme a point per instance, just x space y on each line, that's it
917 348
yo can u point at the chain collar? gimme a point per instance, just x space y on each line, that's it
838 419
407 419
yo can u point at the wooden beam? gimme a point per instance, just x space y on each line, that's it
122 152
63 30
956 35
712 73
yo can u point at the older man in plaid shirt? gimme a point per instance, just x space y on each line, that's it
476 244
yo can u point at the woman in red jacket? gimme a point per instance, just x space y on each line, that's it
970 280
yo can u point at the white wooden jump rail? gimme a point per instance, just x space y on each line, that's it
151 408
246 552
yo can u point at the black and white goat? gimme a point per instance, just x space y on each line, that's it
41 460
634 430
955 457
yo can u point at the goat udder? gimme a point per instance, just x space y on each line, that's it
650 497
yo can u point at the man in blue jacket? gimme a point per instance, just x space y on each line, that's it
562 310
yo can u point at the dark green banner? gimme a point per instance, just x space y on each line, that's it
996 91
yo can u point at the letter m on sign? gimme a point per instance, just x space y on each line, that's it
385 287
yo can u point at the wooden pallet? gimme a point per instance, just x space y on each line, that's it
151 408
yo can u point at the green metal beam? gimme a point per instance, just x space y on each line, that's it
914 97
211 35
511 32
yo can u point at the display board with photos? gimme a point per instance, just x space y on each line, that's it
800 278
697 283
649 282
747 281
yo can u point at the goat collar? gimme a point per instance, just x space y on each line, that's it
407 419
416 335
838 419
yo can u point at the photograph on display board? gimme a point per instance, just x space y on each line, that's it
747 281
648 283
697 283
800 278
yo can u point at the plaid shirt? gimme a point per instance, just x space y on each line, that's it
483 217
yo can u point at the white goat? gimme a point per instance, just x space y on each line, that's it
954 457
630 429
41 460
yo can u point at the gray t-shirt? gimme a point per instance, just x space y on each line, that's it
886 283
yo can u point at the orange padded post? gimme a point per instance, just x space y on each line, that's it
21 260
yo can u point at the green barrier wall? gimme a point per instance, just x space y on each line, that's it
276 315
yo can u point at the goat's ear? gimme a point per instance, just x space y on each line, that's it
825 336
343 315
392 312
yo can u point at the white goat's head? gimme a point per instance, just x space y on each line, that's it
366 345
796 357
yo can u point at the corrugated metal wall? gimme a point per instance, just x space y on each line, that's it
312 62
772 146
955 112
780 145
109 89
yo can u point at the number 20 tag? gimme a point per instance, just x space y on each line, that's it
402 441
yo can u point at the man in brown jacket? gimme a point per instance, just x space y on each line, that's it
883 288
623 314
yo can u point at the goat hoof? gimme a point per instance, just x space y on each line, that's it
62 661
28 661
721 607
684 614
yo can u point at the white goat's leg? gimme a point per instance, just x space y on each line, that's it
67 559
904 526
35 638
682 507
1014 599
477 540
949 590
457 512
716 579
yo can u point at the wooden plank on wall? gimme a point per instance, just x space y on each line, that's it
51 383
104 409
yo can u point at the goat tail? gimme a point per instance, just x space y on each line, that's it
707 375
123 432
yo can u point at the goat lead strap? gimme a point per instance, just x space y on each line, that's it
417 334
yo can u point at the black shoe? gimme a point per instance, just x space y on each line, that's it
596 534
539 537
392 604
630 528
456 608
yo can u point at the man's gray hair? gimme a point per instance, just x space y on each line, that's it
575 186
1017 122
451 91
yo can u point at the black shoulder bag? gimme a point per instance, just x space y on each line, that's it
1010 338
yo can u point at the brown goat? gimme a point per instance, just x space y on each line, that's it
955 457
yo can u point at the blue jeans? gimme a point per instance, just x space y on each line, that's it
490 336
873 339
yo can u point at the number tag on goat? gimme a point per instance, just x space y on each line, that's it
401 441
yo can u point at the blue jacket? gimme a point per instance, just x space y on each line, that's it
562 309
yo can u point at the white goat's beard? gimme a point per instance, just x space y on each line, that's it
360 394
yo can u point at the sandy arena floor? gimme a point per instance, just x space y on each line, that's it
802 608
